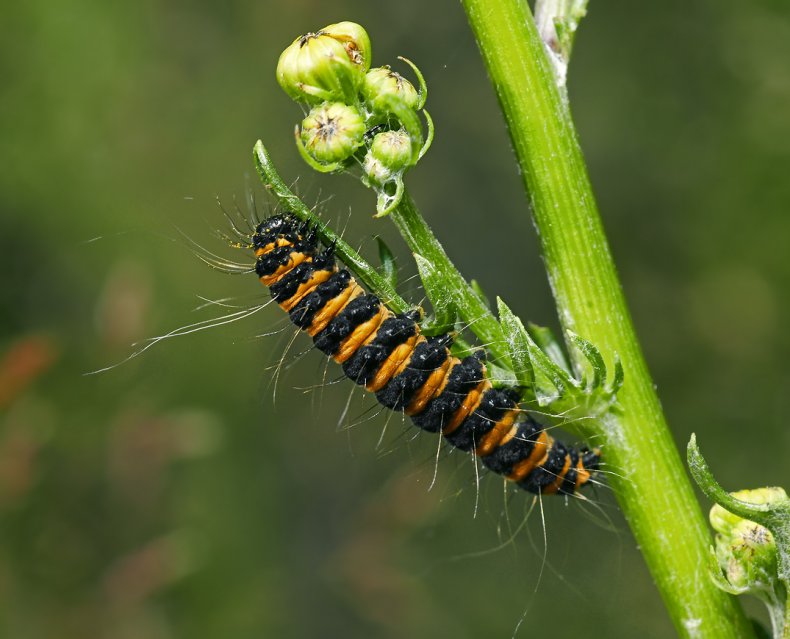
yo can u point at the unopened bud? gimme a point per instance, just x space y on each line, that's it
355 40
392 149
332 132
389 155
745 550
329 64
748 556
383 85
375 171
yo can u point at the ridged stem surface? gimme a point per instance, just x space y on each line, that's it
647 476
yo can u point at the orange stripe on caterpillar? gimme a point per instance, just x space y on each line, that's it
386 353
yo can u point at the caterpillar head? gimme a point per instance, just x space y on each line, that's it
270 228
277 227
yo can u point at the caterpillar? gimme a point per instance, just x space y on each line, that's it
386 353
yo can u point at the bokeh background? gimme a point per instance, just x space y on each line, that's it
176 496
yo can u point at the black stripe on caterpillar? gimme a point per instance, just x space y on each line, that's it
386 353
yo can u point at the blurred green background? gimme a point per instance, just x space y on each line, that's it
176 496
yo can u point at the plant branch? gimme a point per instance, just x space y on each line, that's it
471 308
648 477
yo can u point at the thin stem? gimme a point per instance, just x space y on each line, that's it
649 479
470 306
420 239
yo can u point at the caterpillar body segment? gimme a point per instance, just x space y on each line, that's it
386 353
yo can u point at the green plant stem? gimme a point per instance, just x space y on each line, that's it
647 475
470 306
786 620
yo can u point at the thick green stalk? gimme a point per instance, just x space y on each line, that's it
648 476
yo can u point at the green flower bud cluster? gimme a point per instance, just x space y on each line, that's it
359 117
746 552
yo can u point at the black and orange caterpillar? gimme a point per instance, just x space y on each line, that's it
386 353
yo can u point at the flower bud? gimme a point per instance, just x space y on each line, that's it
745 550
329 64
332 132
354 39
383 85
375 171
389 156
748 557
392 149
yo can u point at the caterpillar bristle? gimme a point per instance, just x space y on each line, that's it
408 372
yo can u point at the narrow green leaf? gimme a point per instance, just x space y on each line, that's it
440 296
708 484
423 91
593 357
501 376
718 577
461 348
429 135
619 375
477 317
518 342
547 342
410 121
547 369
479 290
389 268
